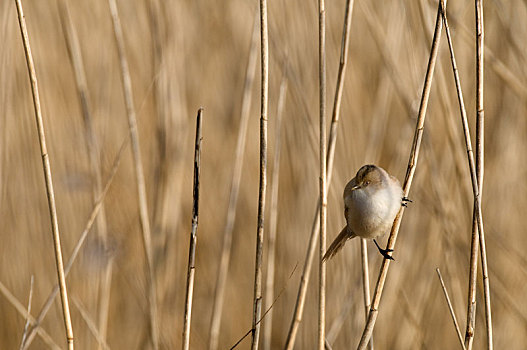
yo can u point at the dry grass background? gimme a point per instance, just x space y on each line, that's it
187 54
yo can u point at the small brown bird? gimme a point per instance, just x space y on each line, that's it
371 202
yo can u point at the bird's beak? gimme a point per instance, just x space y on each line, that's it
355 187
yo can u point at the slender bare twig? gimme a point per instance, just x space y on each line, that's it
92 148
193 235
25 313
139 174
91 324
96 208
451 309
365 282
323 170
233 198
264 104
412 164
47 176
273 219
332 141
26 326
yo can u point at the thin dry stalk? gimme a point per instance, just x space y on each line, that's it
193 235
306 271
139 174
47 176
91 324
480 154
233 198
323 179
477 225
365 282
273 219
96 208
412 164
451 309
92 148
25 313
264 104
26 326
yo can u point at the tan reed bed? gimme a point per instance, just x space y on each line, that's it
92 148
139 173
223 266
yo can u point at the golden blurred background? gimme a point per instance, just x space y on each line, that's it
187 54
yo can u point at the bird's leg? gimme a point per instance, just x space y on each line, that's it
405 201
384 252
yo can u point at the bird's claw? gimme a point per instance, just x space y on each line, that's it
384 252
405 201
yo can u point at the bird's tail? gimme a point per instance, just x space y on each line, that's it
338 243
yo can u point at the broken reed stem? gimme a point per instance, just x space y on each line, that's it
273 219
233 197
365 282
477 226
139 174
46 338
480 154
29 302
412 164
264 103
96 208
323 179
193 235
332 141
92 149
450 308
47 176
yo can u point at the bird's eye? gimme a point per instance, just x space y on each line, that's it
366 183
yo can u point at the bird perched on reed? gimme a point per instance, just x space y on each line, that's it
371 202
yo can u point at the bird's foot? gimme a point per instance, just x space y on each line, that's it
405 201
384 252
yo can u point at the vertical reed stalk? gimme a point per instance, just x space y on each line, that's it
323 179
47 176
412 164
233 197
139 173
477 225
193 235
264 103
365 282
480 152
273 219
308 262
